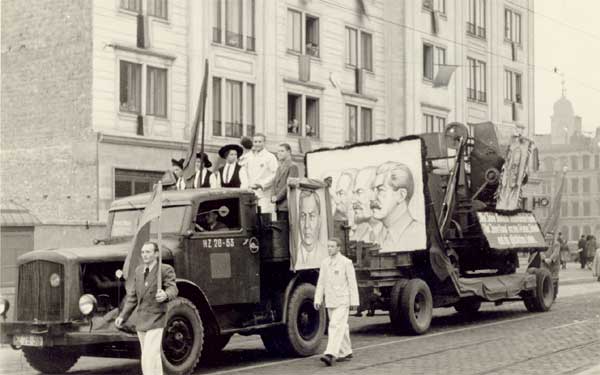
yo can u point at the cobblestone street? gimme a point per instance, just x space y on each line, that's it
500 340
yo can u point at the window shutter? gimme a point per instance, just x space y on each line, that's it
304 68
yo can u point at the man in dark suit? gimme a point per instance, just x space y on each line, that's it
151 302
285 170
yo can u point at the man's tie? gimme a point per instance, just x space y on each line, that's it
146 271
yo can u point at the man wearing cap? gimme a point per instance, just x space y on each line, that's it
285 170
172 180
230 175
208 179
261 169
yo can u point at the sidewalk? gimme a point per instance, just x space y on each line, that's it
575 275
591 371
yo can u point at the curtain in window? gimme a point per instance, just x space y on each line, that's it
351 46
234 95
217 21
216 98
366 51
156 98
312 117
130 87
249 109
352 122
250 38
366 125
233 22
294 30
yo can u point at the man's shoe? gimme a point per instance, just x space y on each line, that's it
327 359
346 358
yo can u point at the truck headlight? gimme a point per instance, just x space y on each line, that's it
4 306
54 280
87 304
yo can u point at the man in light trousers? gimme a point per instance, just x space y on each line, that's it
337 285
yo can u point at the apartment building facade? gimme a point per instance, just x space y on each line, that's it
97 97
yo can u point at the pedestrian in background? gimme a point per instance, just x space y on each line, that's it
590 250
286 169
596 265
581 251
151 301
337 286
564 251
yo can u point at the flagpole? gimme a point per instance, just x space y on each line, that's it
159 241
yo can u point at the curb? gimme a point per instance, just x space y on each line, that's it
587 280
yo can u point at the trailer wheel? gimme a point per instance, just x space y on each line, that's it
183 337
56 360
411 307
467 307
542 297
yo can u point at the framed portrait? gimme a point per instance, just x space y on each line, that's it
310 213
378 189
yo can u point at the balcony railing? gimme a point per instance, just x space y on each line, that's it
312 49
250 43
471 94
481 32
471 28
233 129
481 96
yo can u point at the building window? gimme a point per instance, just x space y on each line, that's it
302 107
131 182
586 162
512 26
433 57
574 209
597 161
354 49
575 185
433 124
587 211
477 85
228 104
438 5
298 36
586 185
156 92
359 122
130 84
574 163
512 87
564 209
233 23
132 5
157 8
476 19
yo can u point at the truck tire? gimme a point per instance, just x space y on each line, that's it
411 306
542 297
183 337
54 360
303 333
467 307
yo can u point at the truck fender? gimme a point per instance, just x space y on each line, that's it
193 292
305 276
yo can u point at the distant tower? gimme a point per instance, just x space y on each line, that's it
564 121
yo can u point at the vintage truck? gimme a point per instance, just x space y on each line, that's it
245 279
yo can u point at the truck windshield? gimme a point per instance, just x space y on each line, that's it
124 222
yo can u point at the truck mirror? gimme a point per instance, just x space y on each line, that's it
223 211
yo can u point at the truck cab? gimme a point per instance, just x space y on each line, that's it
233 274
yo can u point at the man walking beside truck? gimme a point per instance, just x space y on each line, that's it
337 285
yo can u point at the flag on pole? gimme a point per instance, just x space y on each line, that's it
142 234
189 166
551 223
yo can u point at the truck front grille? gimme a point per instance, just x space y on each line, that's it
36 298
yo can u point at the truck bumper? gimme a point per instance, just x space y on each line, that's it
48 334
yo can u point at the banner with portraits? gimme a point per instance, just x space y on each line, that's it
309 215
378 189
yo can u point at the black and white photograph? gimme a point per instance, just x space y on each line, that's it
256 187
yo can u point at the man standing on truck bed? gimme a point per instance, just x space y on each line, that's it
152 306
286 169
261 167
337 284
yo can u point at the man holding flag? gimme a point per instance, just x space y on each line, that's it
149 287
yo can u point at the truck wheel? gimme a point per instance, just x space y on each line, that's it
183 337
305 325
54 360
411 307
467 307
542 297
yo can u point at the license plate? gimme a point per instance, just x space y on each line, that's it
28 340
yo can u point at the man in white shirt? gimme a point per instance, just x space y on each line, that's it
337 285
261 167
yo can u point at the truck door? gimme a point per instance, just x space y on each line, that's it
223 254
